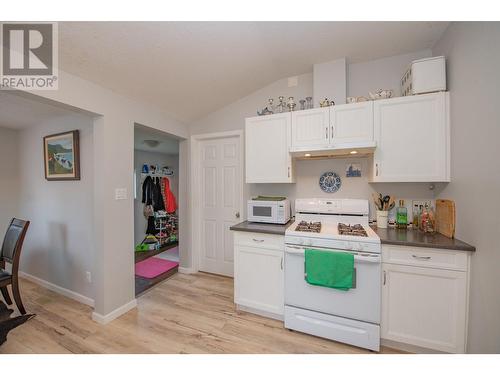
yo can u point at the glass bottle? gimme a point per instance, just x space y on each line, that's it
401 215
427 220
302 104
281 105
309 102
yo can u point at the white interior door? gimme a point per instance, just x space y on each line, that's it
220 193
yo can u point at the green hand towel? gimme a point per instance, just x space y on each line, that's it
330 269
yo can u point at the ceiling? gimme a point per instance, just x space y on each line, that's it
19 112
191 69
167 144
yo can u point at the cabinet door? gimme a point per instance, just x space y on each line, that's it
425 307
310 129
351 124
258 279
412 135
267 140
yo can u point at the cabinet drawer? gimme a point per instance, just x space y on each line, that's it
260 240
425 257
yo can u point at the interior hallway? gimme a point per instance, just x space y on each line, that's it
185 314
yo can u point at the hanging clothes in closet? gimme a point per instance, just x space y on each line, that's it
153 200
169 197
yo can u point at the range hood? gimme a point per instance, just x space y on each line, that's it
346 150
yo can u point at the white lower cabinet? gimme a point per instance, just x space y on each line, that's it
424 306
258 273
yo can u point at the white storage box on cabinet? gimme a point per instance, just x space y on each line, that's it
422 305
331 128
267 144
413 139
424 76
258 273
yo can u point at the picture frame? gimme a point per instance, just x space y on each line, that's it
61 154
353 170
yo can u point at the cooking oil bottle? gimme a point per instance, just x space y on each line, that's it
401 215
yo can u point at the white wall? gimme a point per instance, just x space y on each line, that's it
232 116
146 157
380 74
330 81
59 246
307 185
115 116
9 178
473 61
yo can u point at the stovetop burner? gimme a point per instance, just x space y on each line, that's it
305 226
352 230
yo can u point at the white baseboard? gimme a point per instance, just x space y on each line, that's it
186 270
58 289
260 312
105 319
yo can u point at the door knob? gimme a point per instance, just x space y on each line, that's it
237 214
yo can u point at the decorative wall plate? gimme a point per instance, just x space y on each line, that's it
330 182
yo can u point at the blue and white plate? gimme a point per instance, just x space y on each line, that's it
330 182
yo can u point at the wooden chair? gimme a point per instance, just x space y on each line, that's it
10 253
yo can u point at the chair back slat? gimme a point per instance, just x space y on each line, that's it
13 240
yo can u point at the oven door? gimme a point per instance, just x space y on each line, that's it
262 212
362 302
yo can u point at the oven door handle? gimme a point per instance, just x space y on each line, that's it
371 258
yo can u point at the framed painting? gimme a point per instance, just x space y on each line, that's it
62 156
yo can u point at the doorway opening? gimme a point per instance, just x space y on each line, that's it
156 219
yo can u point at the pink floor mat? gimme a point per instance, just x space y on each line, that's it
152 267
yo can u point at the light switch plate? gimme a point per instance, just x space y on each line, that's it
120 193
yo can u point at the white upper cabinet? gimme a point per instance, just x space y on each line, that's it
310 129
267 143
412 134
336 127
351 124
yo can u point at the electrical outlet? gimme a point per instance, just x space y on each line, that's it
293 81
88 276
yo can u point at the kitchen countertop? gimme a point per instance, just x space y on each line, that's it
389 236
246 226
403 237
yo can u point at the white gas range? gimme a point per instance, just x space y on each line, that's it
351 316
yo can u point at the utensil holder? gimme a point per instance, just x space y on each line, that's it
382 219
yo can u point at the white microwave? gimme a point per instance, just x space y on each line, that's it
269 211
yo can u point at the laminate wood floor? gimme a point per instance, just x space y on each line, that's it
184 314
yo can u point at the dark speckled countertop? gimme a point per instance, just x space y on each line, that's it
403 237
389 236
246 226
